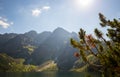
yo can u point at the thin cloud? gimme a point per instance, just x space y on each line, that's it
4 23
11 23
46 7
4 19
38 11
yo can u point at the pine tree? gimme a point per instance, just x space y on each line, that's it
108 51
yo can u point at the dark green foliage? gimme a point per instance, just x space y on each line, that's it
8 64
108 52
4 62
98 33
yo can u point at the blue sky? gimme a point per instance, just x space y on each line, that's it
21 16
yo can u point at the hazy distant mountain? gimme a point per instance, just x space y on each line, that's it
5 37
38 48
16 46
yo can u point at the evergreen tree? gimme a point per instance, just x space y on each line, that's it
108 51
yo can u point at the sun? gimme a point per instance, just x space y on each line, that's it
84 3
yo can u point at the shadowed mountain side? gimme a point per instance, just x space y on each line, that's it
16 46
38 48
6 37
56 47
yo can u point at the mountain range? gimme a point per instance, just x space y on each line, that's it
37 48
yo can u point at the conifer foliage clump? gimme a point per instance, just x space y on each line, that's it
107 51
